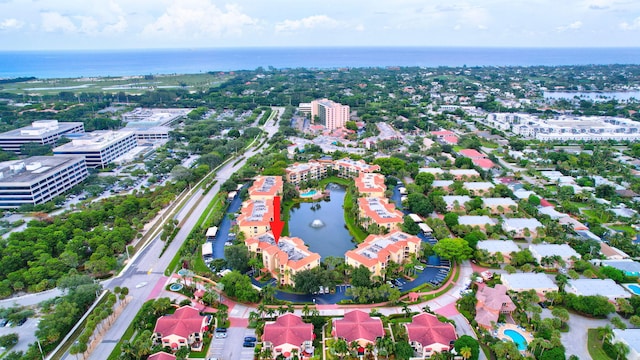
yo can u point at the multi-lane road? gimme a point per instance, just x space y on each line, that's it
146 269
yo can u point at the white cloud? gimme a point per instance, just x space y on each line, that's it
88 24
310 22
11 24
360 27
117 27
634 25
199 18
54 21
573 26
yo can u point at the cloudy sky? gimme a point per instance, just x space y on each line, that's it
122 24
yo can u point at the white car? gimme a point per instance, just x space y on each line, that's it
142 284
221 335
419 267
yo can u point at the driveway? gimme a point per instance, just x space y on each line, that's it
231 347
575 341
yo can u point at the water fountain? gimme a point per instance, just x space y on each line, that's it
317 223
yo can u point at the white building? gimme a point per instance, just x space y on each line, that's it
152 134
505 247
330 114
591 287
539 282
99 148
42 132
631 338
566 127
565 251
519 227
144 117
39 179
454 201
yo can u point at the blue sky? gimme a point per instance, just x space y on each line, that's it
123 24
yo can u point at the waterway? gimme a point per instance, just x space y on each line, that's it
330 237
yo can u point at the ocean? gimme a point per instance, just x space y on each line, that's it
69 64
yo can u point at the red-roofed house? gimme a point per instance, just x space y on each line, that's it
183 328
446 136
485 164
491 303
161 356
287 333
427 335
472 154
545 203
358 326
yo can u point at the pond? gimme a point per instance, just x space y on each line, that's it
320 224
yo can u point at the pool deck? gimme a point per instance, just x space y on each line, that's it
501 335
315 196
632 290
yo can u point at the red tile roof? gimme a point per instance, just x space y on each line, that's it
288 329
161 356
472 153
358 325
184 322
545 203
427 330
484 163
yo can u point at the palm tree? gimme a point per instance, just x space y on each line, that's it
271 312
622 350
306 310
282 310
465 352
605 333
262 309
406 310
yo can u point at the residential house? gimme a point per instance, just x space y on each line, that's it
446 137
379 211
161 356
478 188
631 338
519 282
521 227
612 253
442 184
436 172
564 251
464 174
504 247
629 267
288 334
480 221
491 303
427 335
376 251
359 326
184 328
592 287
456 202
500 205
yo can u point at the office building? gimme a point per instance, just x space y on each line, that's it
42 132
99 148
39 179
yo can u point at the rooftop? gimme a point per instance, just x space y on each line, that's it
358 325
40 129
473 220
525 281
287 329
452 199
522 223
503 246
629 336
503 201
374 244
266 185
369 182
36 167
628 266
94 141
563 250
478 185
605 287
427 330
379 209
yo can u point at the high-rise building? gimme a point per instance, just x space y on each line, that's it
329 114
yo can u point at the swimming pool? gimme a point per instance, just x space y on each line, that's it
517 338
633 288
309 193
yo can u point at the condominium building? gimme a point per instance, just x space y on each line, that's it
99 148
566 127
39 179
43 132
255 217
379 211
377 250
370 184
303 172
351 168
266 187
329 114
288 257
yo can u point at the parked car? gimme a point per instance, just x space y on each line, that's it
250 339
419 267
3 322
248 344
221 335
221 330
21 321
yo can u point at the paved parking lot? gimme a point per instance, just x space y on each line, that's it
26 333
231 348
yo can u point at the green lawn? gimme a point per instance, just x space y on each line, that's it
624 228
595 346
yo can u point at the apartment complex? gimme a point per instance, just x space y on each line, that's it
566 127
370 184
377 250
266 187
255 217
302 172
43 132
286 258
378 210
329 114
39 179
351 168
99 148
